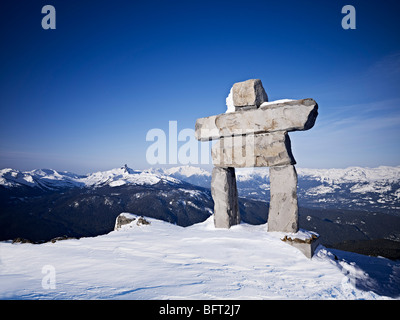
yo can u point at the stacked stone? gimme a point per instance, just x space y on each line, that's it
256 135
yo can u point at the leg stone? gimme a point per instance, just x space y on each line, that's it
283 209
225 196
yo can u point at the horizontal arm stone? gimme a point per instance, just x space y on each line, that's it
286 116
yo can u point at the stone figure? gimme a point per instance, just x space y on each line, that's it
255 134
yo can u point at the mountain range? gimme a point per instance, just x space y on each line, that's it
352 209
370 189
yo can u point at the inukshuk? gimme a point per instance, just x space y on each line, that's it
255 134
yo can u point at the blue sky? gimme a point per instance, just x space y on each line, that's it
82 97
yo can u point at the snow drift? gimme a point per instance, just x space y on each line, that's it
165 261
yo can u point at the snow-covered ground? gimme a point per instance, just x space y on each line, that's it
165 261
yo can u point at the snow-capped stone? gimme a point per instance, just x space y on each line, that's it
230 107
306 246
268 103
124 219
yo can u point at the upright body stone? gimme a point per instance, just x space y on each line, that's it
283 209
225 196
261 150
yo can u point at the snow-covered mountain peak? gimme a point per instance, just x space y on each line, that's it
374 189
352 174
12 178
52 179
244 174
124 175
187 171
